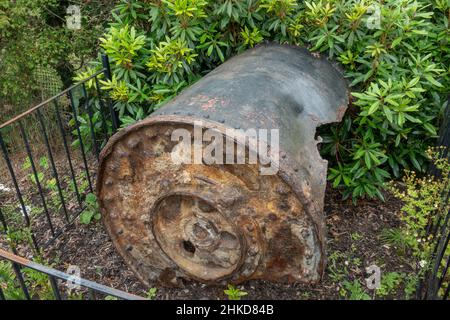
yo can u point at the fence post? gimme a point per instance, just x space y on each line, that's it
114 113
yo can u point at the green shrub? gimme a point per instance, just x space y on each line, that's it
425 202
33 34
396 56
354 291
234 293
91 212
38 284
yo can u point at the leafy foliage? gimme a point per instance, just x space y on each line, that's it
33 33
389 282
39 56
7 282
425 204
38 284
234 293
354 291
91 212
396 56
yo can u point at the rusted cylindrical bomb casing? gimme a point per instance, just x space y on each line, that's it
220 223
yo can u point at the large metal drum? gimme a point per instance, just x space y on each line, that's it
227 221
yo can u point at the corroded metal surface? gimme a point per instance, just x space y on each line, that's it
227 222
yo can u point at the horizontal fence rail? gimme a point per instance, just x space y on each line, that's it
55 276
49 100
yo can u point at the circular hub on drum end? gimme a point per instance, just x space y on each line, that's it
194 234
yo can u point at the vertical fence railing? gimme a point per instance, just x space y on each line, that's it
57 279
436 282
82 117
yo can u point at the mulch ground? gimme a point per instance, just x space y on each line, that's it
353 244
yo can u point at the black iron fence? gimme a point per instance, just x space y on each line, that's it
73 179
45 181
436 282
